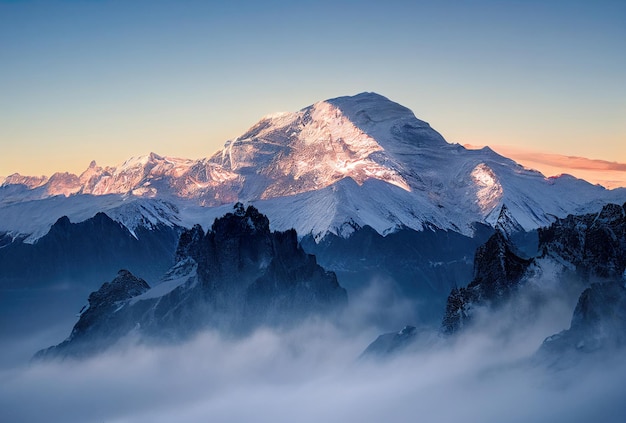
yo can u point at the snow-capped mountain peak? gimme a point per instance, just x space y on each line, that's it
337 164
292 153
30 182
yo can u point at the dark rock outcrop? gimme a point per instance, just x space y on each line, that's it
497 273
590 247
391 343
507 224
594 244
234 278
598 326
94 329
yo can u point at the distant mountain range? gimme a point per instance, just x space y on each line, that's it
334 166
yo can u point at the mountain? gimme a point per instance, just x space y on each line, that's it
43 281
593 244
391 343
81 254
497 272
375 193
598 327
236 277
334 166
587 248
506 223
577 253
146 176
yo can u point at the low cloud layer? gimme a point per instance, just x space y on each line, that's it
312 374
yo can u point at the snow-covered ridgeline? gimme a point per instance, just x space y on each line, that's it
331 167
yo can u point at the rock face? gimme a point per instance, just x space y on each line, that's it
506 223
391 343
236 277
598 325
94 329
594 244
497 272
584 248
75 253
591 247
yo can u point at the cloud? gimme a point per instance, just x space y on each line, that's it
570 162
312 374
606 173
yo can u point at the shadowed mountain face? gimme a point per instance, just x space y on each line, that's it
497 271
574 252
418 266
598 326
236 277
589 247
595 244
75 253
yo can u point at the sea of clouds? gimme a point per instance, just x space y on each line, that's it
314 373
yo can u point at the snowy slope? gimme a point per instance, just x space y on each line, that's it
330 167
148 176
34 218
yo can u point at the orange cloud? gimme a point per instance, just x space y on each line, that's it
571 162
603 172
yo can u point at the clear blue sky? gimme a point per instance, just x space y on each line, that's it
105 80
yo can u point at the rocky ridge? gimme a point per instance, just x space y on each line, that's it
598 326
579 249
590 246
234 278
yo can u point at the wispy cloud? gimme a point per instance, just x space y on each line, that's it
603 172
311 374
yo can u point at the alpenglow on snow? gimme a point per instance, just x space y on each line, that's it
331 167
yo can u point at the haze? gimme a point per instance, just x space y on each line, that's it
313 374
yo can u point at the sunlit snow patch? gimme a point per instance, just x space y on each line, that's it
489 190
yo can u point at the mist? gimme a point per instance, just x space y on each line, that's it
313 373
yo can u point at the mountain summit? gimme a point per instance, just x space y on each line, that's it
347 137
331 167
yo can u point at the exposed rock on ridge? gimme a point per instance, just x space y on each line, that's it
590 246
95 329
598 326
236 277
594 244
497 271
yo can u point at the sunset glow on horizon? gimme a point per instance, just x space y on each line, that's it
106 81
608 174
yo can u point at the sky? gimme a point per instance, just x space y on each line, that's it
107 80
